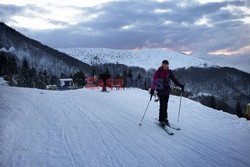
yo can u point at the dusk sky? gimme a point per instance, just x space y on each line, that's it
215 30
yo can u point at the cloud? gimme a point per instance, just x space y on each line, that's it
8 11
199 26
227 52
45 3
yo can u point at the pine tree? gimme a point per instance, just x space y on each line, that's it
212 102
25 64
124 74
117 76
54 80
147 83
39 83
33 77
139 76
130 75
107 71
139 81
79 78
223 106
238 110
124 77
42 79
93 72
45 78
3 64
12 65
24 78
62 75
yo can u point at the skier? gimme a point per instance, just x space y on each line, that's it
105 76
160 83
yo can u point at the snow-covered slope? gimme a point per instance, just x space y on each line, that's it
146 58
90 128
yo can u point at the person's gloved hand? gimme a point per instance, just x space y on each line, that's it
182 88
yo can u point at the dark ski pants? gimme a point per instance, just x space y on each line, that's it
163 114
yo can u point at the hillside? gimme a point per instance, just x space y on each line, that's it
227 84
145 58
38 55
90 128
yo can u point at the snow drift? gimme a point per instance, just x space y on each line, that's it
90 128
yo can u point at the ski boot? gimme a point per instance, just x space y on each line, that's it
162 123
167 122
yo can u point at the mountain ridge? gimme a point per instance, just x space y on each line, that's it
145 58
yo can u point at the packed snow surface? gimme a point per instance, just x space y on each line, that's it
90 128
145 58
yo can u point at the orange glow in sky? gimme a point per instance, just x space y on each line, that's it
245 49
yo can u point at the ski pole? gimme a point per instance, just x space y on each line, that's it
145 110
179 108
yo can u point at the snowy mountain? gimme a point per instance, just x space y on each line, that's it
89 128
228 85
38 55
145 58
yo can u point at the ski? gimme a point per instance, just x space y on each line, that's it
172 126
165 129
106 91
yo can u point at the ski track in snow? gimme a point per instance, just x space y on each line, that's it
90 128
